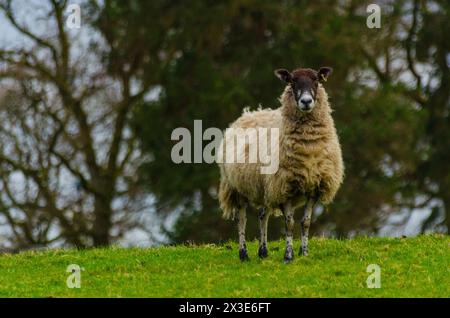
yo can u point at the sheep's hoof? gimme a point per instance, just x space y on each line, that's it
288 255
243 256
303 253
287 260
262 252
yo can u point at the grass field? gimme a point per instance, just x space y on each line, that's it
410 267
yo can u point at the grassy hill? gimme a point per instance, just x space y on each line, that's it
410 267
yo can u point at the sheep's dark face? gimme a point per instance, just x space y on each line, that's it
304 83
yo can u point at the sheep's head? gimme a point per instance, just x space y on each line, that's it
304 83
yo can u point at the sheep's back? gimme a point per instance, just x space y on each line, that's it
246 177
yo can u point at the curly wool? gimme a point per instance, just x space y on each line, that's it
310 159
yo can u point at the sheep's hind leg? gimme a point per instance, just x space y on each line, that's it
289 219
306 222
241 226
263 221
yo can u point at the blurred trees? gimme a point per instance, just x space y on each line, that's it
225 60
67 158
153 66
412 60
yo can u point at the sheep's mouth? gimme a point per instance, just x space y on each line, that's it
305 109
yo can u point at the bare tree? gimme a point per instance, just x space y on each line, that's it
67 157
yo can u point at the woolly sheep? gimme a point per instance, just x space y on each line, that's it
310 161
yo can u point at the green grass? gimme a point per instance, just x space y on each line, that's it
410 267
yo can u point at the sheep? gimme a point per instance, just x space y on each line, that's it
311 167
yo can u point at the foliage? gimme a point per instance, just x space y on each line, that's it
382 118
109 97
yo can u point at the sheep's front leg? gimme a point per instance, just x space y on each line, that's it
241 226
289 219
306 222
263 221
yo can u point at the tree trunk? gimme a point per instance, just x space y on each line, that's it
102 222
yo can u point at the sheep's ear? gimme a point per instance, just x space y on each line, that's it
283 75
323 73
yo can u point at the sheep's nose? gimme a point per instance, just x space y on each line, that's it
306 101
